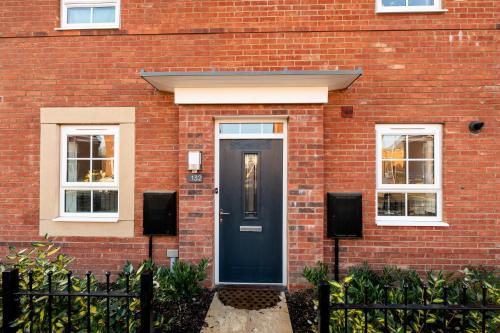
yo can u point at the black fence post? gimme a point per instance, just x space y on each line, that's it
146 302
324 307
10 301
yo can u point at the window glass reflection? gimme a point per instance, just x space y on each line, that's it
251 128
78 146
420 2
229 128
105 201
394 172
76 201
391 204
104 15
102 171
103 146
421 204
421 172
393 146
394 2
421 146
250 185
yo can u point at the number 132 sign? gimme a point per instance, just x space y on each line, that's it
195 178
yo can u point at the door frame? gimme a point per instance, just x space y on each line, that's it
282 136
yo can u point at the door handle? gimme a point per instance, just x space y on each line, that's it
221 214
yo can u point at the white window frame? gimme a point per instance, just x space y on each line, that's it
411 129
380 8
66 4
65 185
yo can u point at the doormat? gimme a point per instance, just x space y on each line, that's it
249 299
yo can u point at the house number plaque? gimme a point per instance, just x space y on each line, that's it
195 178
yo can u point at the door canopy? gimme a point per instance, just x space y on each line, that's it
260 87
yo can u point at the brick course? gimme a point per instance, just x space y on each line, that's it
418 68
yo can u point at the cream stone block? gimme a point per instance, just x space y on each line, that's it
51 121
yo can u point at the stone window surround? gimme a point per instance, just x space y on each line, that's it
51 120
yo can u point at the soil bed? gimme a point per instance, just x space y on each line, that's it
187 316
301 309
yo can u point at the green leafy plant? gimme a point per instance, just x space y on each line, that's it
43 258
180 283
315 275
366 285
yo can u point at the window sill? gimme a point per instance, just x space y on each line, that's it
409 11
86 28
411 224
85 219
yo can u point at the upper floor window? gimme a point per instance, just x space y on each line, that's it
408 174
89 171
398 6
90 14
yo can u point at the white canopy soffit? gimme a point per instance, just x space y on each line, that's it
260 87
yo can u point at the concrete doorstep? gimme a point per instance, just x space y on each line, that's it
227 319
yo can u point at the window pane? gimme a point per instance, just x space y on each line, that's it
103 146
251 128
421 172
421 146
78 171
105 201
394 2
102 171
250 185
420 2
76 201
394 172
393 146
269 128
79 146
78 15
391 204
421 204
104 15
229 128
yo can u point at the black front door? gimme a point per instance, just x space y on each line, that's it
251 211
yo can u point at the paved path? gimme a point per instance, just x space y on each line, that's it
226 319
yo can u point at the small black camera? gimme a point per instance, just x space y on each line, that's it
476 126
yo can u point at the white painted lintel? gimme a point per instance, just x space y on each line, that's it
252 95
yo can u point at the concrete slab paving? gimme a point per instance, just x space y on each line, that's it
226 319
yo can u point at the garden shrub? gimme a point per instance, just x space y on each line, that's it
180 284
316 274
365 284
44 257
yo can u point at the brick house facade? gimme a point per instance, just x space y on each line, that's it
438 67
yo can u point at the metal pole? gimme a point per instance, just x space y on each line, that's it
146 299
151 247
336 267
324 307
10 286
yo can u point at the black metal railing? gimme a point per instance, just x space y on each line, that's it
11 294
325 307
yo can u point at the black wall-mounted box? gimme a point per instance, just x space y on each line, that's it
160 213
344 215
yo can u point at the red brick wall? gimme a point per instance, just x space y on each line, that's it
40 17
305 181
445 75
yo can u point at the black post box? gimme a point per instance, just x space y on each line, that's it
160 213
344 215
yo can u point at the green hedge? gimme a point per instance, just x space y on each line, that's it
183 282
363 279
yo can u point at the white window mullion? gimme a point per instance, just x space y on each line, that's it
90 186
91 5
407 160
422 204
